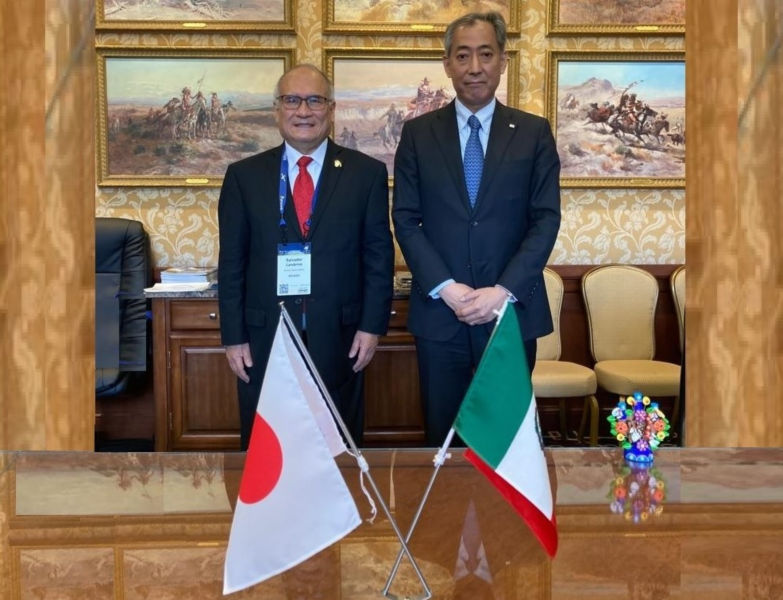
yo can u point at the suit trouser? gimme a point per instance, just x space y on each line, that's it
348 398
445 372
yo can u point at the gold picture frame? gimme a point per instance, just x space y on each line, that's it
345 16
612 17
378 89
250 15
618 118
179 117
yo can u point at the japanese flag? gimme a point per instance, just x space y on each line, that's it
293 501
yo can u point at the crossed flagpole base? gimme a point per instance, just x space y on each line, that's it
363 466
438 460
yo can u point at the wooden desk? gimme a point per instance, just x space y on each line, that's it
195 390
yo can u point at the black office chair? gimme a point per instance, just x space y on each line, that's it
122 271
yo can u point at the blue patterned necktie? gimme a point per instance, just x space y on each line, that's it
473 162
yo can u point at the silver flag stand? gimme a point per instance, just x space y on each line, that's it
361 461
438 461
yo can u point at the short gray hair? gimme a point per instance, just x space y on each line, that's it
493 18
329 86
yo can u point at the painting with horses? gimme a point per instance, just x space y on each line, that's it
619 121
167 120
376 94
212 13
643 17
393 15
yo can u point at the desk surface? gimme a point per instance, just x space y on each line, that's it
702 523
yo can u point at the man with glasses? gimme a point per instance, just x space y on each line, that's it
327 207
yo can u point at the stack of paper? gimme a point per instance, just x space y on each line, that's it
179 287
189 275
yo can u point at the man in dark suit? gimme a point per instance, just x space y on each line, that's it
335 214
476 213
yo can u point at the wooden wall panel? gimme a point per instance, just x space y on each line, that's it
733 339
46 225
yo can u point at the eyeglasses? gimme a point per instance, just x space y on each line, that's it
314 103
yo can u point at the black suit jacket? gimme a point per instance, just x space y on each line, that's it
506 239
352 257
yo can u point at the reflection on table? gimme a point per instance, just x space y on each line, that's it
138 526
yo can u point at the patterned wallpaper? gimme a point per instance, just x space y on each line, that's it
637 225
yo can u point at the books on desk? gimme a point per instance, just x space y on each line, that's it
169 288
189 275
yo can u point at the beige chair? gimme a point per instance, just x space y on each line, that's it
677 282
553 378
620 302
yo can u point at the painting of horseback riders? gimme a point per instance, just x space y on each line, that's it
375 96
617 16
619 122
212 13
181 120
422 15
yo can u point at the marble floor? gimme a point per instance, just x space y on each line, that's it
701 524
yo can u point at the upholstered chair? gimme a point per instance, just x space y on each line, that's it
553 378
620 301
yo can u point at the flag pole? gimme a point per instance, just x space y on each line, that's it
438 460
361 461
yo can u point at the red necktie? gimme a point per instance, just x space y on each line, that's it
303 194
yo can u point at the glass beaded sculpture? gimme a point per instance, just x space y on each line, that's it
640 426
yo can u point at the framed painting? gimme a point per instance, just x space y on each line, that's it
378 89
179 117
612 17
619 119
392 16
195 15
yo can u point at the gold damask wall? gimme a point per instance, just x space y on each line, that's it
599 225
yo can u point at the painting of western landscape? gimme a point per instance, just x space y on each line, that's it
621 119
621 12
421 11
186 117
375 97
192 10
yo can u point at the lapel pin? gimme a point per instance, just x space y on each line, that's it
512 126
337 164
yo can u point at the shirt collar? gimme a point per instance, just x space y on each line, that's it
318 155
484 115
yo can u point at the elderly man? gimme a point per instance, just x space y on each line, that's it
329 204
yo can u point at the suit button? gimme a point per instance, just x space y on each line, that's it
298 301
474 223
468 266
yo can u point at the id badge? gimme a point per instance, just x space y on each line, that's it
293 269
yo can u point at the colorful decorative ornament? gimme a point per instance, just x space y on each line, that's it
637 492
639 426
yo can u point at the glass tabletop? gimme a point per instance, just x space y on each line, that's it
697 523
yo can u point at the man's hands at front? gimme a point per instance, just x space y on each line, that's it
363 348
474 307
238 358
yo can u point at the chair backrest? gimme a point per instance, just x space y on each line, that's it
549 346
677 282
620 302
122 271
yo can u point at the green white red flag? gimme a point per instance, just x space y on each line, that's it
499 424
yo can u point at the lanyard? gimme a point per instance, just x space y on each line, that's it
283 195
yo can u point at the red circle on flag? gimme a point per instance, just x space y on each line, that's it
263 463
